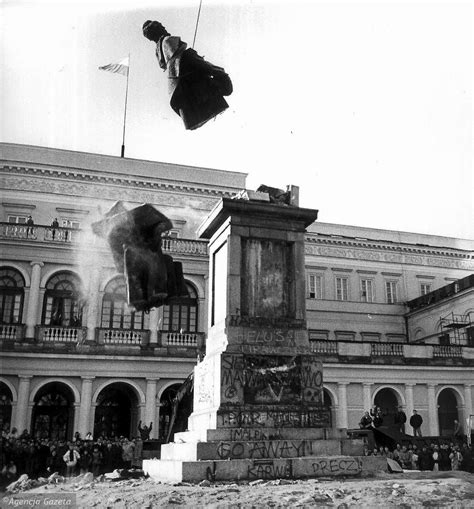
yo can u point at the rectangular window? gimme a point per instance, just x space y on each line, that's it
425 288
342 287
391 292
367 290
315 286
17 219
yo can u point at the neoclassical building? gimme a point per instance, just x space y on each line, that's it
76 358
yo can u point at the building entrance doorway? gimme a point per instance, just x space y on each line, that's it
327 404
53 412
387 400
447 411
116 413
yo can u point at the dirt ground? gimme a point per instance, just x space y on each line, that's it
408 490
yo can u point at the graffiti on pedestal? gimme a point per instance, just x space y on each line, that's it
245 418
262 449
269 469
337 466
271 379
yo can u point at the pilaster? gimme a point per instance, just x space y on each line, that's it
23 401
85 406
33 299
432 410
342 410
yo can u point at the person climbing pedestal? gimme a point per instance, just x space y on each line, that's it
258 393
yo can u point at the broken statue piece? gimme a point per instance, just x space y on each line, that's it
196 87
134 237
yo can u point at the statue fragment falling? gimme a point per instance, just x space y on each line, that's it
134 237
196 87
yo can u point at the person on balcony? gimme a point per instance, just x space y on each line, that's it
54 227
29 223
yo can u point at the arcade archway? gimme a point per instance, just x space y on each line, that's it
6 399
53 412
328 405
178 422
116 412
388 401
447 411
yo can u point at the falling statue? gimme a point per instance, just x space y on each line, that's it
196 87
134 237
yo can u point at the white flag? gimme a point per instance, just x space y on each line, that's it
118 67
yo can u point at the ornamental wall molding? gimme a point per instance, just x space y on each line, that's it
78 176
98 190
376 252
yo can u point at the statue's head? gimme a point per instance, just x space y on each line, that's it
153 30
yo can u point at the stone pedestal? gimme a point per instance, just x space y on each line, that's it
258 393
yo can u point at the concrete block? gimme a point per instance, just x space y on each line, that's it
251 469
250 434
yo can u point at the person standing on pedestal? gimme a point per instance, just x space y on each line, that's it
415 422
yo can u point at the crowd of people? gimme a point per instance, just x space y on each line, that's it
436 457
455 455
41 457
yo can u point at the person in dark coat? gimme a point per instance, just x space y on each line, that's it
366 421
425 459
415 422
400 419
196 87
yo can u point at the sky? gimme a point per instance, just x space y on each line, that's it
367 106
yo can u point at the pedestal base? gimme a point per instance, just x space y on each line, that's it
252 469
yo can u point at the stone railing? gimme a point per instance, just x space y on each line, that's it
447 351
12 332
58 334
399 351
39 233
187 339
184 246
123 337
327 347
387 349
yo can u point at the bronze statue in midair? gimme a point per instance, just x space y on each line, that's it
196 87
134 237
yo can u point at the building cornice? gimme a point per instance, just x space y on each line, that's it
84 176
383 251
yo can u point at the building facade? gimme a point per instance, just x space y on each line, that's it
76 358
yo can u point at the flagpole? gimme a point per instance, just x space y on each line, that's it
125 110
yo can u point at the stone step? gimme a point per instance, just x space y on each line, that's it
252 469
262 433
260 449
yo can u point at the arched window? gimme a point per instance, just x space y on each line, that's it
181 314
11 295
62 304
116 314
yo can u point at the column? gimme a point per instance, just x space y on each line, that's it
33 299
85 407
150 405
93 305
367 396
432 411
342 397
153 324
22 405
409 407
467 405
